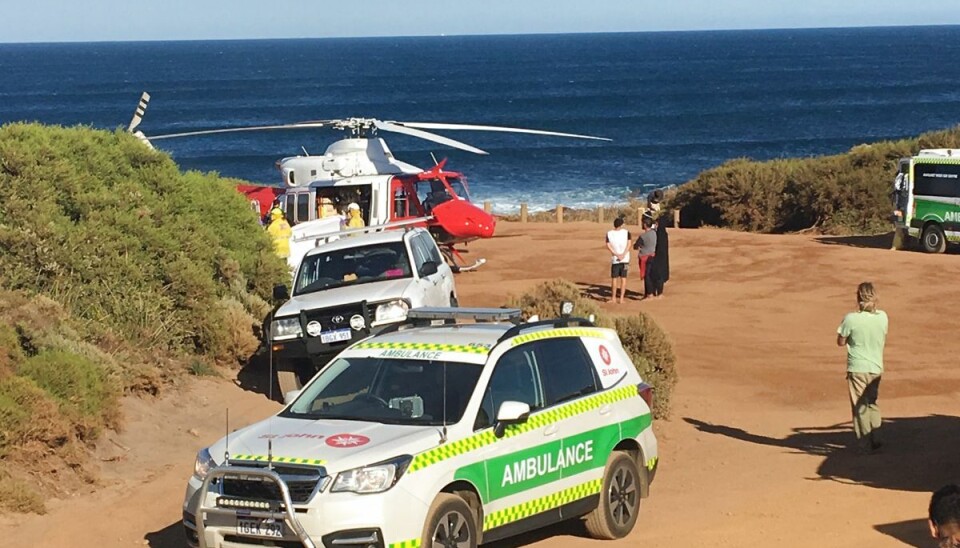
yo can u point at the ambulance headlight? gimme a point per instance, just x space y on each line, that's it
285 328
375 478
392 311
203 465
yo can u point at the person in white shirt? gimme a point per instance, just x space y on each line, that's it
618 243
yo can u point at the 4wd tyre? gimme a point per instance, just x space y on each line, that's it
450 524
933 239
619 499
454 303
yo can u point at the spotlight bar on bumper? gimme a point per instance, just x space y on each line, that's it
288 515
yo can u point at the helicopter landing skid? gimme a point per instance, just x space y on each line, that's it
454 257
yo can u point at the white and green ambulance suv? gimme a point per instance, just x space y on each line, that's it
927 199
461 427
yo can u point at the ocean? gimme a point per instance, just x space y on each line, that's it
674 103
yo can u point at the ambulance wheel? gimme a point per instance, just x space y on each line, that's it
450 524
933 239
619 499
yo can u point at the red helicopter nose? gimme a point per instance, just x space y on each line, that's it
463 220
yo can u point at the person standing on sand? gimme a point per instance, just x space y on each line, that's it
646 246
618 243
864 333
661 261
945 516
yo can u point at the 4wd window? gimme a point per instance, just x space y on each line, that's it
389 391
936 180
352 266
430 246
515 378
420 255
566 369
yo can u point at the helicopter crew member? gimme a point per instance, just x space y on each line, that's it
280 231
354 219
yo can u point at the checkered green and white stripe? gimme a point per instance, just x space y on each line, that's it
537 420
542 504
414 543
560 332
279 460
429 347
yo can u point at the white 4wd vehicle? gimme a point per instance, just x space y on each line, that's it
439 435
347 289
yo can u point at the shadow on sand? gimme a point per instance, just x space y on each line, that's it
171 536
601 293
919 453
876 241
914 532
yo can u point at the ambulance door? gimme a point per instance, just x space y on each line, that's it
516 466
589 427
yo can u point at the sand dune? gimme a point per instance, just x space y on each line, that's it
754 454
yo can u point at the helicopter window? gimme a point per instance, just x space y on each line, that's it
353 266
400 203
460 187
303 207
289 207
432 193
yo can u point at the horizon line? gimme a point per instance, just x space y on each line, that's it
491 34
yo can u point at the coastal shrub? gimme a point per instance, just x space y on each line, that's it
647 344
652 354
18 496
82 389
29 415
839 194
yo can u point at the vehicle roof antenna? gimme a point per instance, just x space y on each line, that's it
443 432
226 449
435 162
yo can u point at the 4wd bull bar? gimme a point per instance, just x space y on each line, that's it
287 514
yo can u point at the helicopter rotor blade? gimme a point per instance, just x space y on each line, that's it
138 114
302 125
398 128
472 127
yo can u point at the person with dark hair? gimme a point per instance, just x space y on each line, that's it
661 262
945 516
618 243
864 333
647 247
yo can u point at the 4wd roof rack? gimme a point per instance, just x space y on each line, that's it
554 324
425 316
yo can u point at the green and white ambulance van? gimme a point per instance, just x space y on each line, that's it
462 427
926 199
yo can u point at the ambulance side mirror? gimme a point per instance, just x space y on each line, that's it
511 412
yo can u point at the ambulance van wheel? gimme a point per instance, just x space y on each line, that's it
450 524
619 499
933 239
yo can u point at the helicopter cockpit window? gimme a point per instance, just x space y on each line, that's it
460 187
432 193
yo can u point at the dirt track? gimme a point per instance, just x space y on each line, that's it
754 454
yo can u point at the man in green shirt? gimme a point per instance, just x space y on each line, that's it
864 333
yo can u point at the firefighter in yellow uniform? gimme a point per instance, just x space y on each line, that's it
280 231
354 220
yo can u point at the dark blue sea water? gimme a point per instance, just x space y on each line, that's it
675 103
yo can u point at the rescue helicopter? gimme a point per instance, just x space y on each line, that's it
361 169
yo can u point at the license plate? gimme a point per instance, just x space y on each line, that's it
339 335
260 528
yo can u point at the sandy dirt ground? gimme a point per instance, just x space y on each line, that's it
755 453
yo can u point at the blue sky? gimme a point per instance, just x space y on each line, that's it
95 20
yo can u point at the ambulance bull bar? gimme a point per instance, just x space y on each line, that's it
288 514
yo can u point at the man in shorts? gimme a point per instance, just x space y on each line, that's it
618 243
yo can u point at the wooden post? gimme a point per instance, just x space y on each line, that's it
559 213
676 218
600 214
487 207
523 213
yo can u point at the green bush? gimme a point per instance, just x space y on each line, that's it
840 194
647 344
652 354
28 414
82 389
